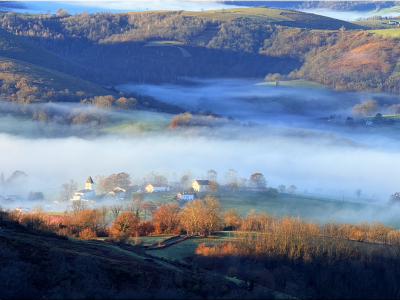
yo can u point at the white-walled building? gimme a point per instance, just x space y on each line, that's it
150 188
201 185
186 196
87 193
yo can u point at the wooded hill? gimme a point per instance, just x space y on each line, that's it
30 73
168 46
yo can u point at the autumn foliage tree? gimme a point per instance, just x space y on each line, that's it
366 108
258 180
201 216
125 225
166 218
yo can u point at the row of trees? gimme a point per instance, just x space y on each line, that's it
203 217
372 107
308 260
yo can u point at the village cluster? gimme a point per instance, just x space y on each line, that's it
88 194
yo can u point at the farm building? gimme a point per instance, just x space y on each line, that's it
123 192
150 188
186 196
200 185
87 193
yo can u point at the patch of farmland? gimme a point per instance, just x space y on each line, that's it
173 44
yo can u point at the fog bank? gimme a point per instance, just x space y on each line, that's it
304 163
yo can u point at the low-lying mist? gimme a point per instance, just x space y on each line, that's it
251 100
286 147
309 161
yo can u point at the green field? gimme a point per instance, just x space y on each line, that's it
136 121
393 9
152 239
173 44
373 24
275 16
391 32
187 248
255 13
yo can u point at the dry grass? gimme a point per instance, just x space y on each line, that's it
365 58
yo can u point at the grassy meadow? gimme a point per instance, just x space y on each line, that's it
390 32
136 121
275 16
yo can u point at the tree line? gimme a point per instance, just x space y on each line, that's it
298 257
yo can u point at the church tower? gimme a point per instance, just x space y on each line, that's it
89 184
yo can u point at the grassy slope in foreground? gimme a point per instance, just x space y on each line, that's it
276 16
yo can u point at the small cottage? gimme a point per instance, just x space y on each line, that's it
186 196
150 188
200 185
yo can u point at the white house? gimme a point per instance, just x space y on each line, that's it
200 185
87 193
186 196
150 188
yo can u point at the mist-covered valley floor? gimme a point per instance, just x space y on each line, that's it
276 132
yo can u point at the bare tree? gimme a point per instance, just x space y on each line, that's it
292 189
149 207
136 203
115 209
78 206
282 188
212 175
68 189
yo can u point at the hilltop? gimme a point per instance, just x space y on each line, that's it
275 16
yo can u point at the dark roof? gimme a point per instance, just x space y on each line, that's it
159 185
202 182
89 180
85 191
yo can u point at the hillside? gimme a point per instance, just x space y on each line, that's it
30 73
275 16
39 264
16 47
170 46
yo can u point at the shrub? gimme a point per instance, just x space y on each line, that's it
87 234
